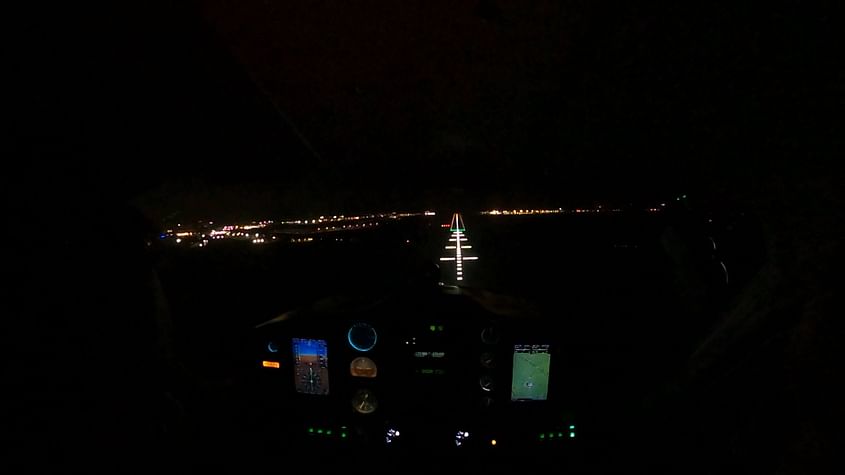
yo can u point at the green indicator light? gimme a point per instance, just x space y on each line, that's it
560 434
572 427
343 427
432 327
440 328
572 435
343 435
329 432
310 430
319 431
542 436
551 435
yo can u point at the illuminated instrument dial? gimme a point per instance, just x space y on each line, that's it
487 360
363 367
490 335
362 336
364 401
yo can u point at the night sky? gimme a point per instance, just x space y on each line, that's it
323 107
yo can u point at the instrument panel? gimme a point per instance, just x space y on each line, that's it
432 370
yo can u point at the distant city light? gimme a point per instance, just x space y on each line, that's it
597 208
246 231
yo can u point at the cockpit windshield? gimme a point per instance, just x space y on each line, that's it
508 235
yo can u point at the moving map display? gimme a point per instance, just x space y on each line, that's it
530 380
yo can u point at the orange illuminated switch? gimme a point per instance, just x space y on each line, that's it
270 364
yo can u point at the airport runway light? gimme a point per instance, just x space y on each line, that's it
457 228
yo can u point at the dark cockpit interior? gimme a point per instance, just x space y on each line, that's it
421 236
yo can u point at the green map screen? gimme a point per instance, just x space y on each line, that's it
530 373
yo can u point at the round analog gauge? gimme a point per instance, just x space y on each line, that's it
487 360
364 402
486 383
362 336
363 367
490 335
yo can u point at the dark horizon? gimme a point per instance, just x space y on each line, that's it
240 215
491 106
